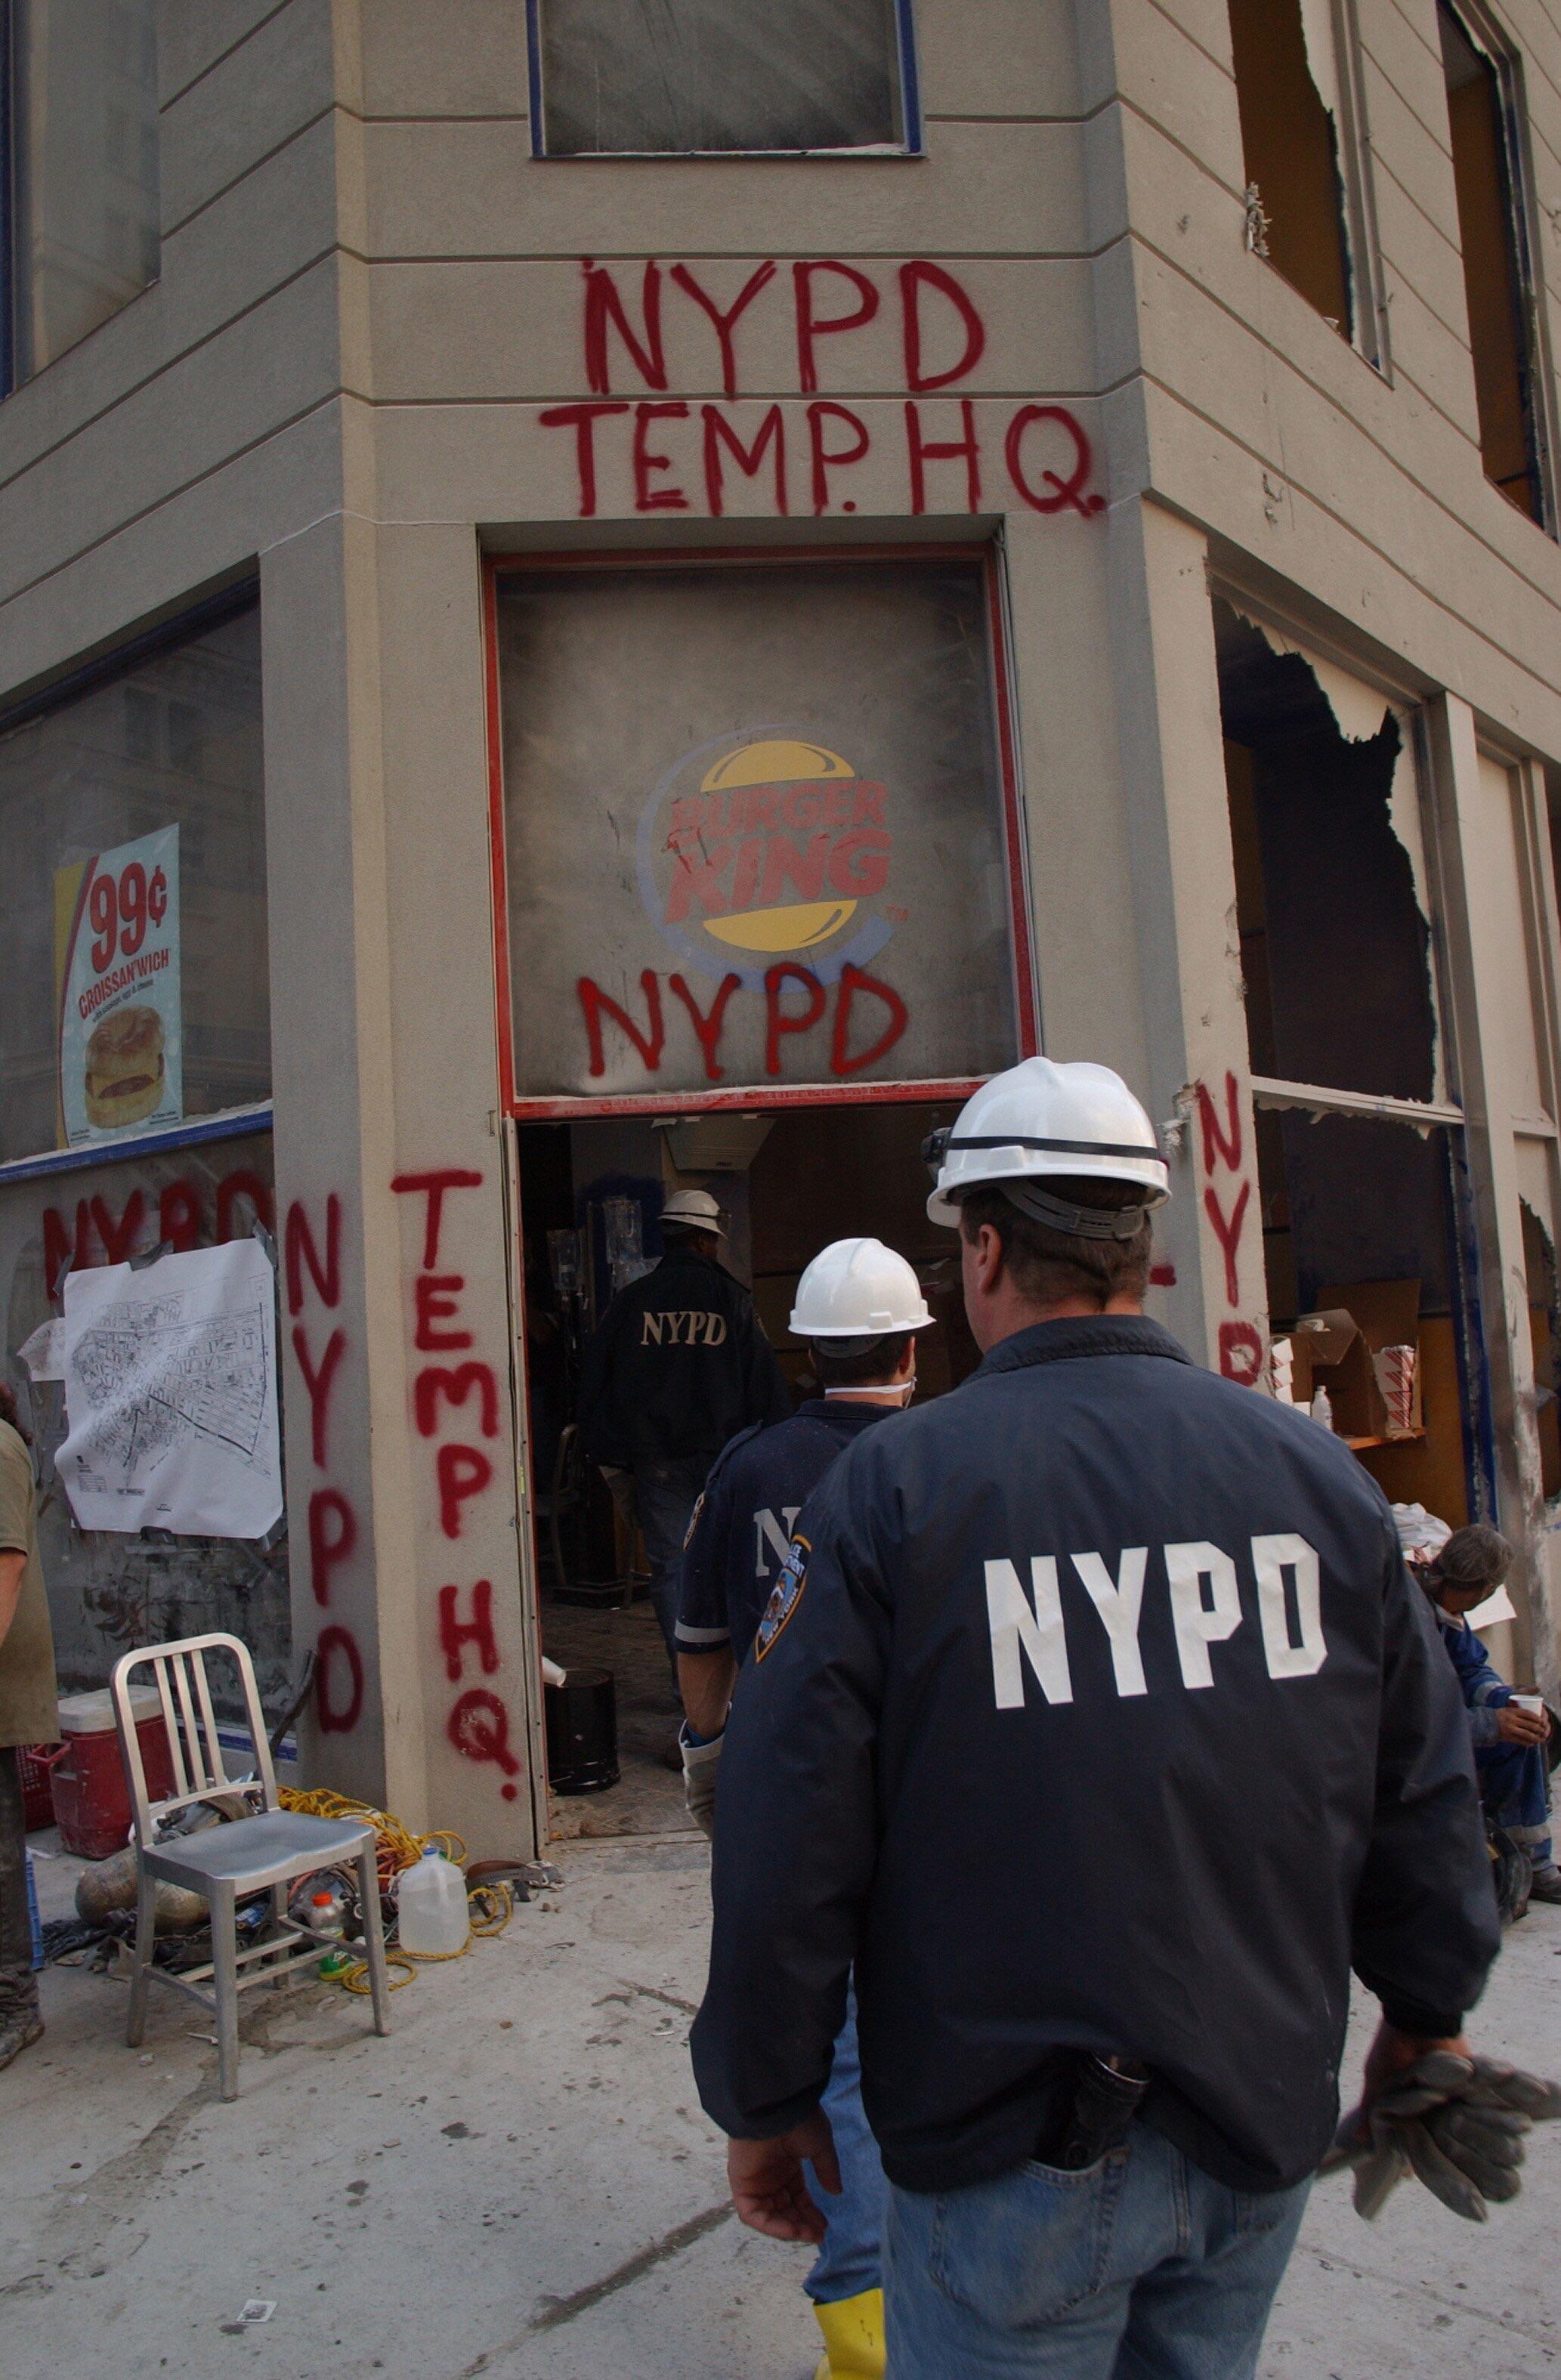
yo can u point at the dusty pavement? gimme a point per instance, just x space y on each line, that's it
519 2182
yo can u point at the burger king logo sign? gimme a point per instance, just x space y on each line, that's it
767 846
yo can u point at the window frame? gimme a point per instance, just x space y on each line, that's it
913 128
763 1098
1490 39
7 205
58 694
1367 332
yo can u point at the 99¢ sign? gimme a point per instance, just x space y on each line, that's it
116 943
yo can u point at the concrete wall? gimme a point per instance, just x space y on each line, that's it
370 295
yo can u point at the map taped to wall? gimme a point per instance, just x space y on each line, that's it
170 1390
116 966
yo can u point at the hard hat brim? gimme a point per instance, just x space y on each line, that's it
924 1321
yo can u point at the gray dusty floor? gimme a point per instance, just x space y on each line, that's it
519 2182
648 1798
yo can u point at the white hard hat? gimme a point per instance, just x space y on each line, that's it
858 1289
696 1210
1039 1121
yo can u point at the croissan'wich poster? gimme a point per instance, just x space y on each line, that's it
117 945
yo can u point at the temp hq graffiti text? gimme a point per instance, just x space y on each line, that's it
455 1409
666 455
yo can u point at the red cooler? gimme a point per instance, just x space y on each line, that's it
91 1792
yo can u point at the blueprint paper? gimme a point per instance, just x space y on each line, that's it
170 1388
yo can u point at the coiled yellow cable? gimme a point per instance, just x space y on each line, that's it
491 1905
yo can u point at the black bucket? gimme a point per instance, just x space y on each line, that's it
582 1723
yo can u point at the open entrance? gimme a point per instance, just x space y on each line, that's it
592 1197
761 929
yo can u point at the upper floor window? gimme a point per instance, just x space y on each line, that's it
78 199
1300 154
721 77
1481 119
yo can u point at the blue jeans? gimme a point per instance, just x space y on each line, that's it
850 2260
665 1494
1142 2269
1514 1789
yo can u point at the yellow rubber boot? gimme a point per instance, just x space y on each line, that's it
853 2328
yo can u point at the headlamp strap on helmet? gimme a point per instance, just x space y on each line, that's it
1080 1223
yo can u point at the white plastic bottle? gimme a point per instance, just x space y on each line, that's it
327 1914
431 1899
1322 1409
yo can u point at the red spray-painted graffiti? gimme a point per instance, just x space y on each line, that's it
332 1520
95 1235
477 1723
1047 459
649 1039
1220 1157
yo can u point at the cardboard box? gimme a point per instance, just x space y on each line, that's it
1354 1322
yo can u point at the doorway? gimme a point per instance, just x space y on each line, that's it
788 1181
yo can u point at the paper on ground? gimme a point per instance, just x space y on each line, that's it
170 1387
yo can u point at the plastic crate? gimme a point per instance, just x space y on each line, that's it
37 1787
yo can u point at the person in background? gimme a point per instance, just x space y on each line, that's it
28 1714
1509 1756
859 1307
678 1367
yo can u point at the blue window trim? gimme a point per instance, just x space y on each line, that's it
912 143
231 1125
208 612
7 206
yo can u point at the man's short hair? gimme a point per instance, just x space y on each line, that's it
857 1362
1476 1557
1048 1266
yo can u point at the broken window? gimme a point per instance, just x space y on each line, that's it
687 78
1294 131
1544 1328
1481 101
1360 1148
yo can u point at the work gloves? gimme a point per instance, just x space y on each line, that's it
699 1764
1458 2123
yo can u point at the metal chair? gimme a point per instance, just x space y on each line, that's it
264 1850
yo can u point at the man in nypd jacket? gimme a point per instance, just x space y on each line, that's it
1097 1714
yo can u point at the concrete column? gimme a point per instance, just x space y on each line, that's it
1181 883
472 1686
1478 929
349 1510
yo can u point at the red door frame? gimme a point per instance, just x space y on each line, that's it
757 1096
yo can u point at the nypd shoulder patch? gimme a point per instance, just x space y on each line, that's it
785 1595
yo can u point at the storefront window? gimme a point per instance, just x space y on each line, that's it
82 77
754 829
133 986
107 1591
697 77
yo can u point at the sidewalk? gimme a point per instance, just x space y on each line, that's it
519 2182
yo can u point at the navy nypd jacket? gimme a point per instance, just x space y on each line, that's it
742 1527
1095 1708
679 1364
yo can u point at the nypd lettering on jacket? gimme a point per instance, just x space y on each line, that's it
1202 1587
1093 1706
684 1328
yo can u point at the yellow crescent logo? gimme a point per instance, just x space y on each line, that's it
800 925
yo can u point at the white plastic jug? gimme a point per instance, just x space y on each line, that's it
432 1897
